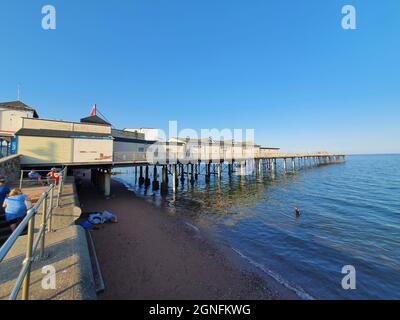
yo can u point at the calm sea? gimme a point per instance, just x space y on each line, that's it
350 216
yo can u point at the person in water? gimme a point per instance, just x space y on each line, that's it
297 212
15 208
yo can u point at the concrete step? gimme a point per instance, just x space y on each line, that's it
67 251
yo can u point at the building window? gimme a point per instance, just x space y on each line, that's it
141 149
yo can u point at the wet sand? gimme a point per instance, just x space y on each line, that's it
150 254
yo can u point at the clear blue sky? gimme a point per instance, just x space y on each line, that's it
285 68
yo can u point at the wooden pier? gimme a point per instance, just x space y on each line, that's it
183 171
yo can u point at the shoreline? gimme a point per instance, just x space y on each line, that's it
151 254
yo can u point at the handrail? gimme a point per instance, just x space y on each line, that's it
21 178
23 279
61 182
213 153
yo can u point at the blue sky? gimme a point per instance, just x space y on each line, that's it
285 68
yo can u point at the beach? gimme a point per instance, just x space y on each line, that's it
151 254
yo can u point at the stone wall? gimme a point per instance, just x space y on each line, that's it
10 168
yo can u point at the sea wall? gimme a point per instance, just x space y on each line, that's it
66 249
10 168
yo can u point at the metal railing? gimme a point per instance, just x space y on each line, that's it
129 156
211 154
36 181
46 201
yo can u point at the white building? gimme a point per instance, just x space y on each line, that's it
52 142
11 114
130 145
208 149
151 134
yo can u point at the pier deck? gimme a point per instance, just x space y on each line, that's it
142 161
191 167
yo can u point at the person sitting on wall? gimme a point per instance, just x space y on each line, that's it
15 206
4 191
35 176
53 176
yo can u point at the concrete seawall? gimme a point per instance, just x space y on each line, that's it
10 168
66 250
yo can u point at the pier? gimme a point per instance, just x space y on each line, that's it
94 144
182 171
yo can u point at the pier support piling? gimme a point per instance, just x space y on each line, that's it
107 183
208 172
182 173
174 178
164 183
135 174
192 173
141 179
197 170
147 179
156 184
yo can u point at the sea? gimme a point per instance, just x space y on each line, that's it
345 244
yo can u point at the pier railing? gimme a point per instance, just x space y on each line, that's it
45 205
279 155
42 179
194 156
129 156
